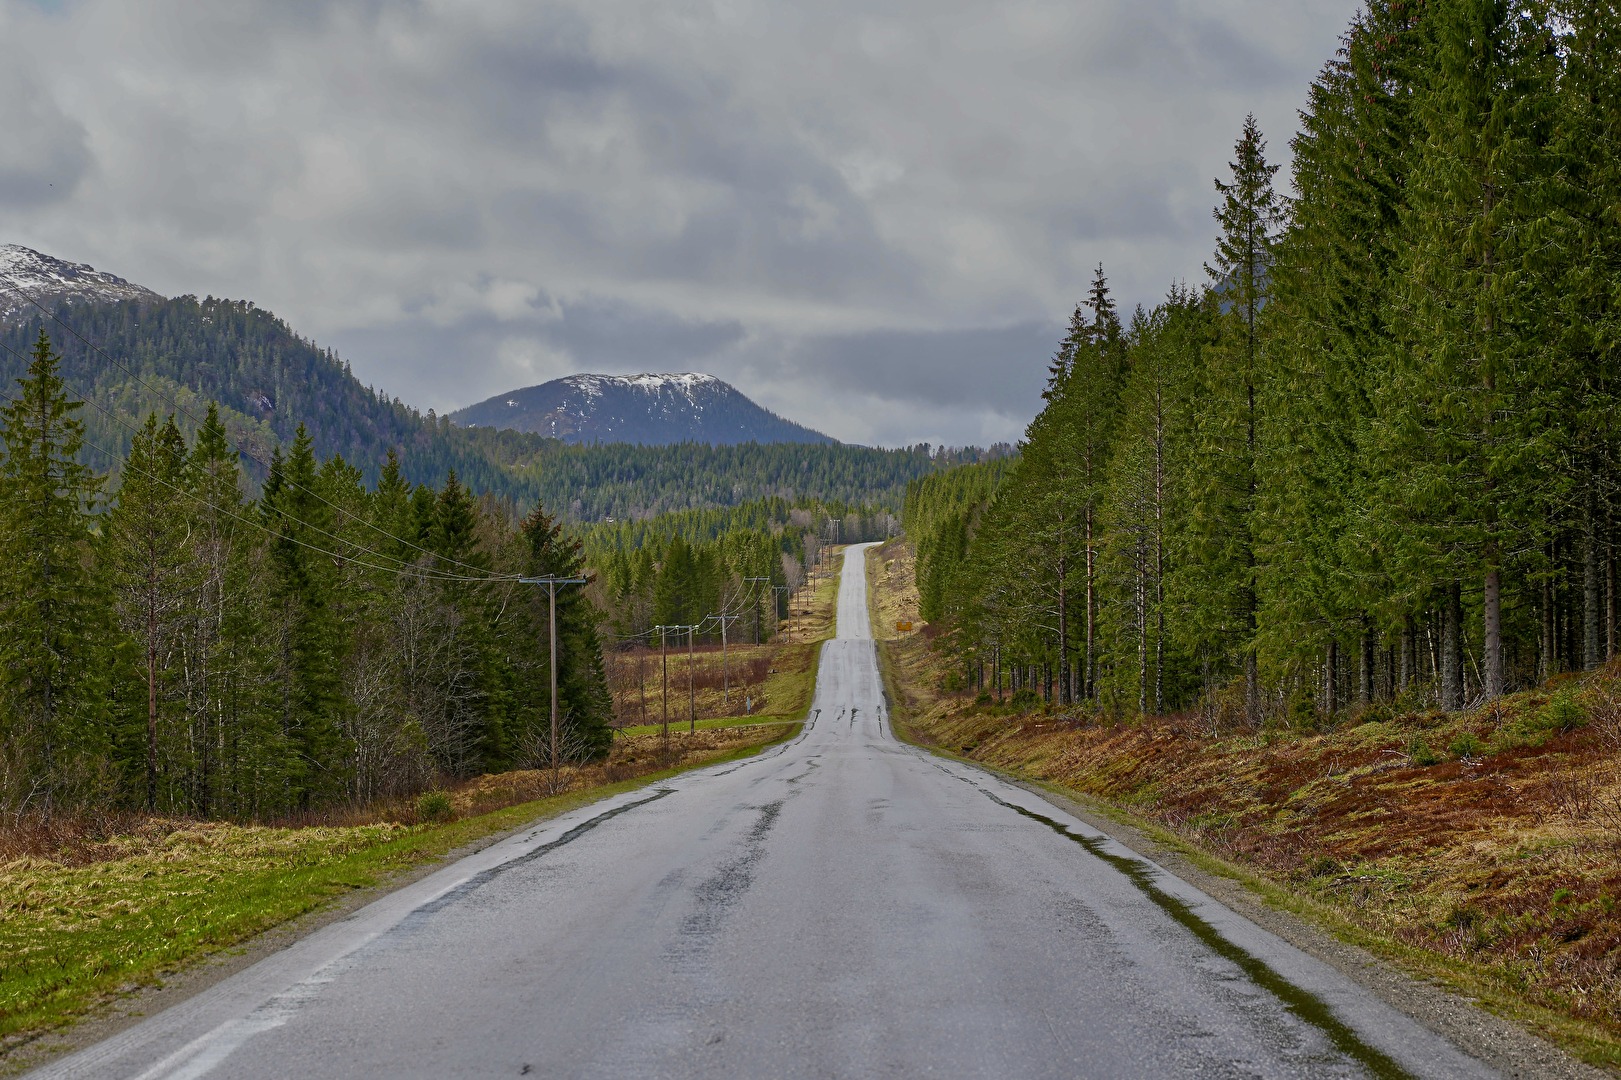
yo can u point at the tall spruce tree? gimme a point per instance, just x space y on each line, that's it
1332 311
584 704
1249 214
147 538
1582 272
53 709
310 640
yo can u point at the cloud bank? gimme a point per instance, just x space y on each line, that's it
874 219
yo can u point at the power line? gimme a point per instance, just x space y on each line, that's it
182 411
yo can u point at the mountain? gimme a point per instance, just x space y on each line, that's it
176 355
651 410
52 281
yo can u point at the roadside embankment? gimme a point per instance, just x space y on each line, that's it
1481 850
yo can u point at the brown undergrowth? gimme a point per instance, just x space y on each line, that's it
1490 840
632 756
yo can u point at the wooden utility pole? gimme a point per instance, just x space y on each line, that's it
552 581
755 580
725 669
664 685
692 694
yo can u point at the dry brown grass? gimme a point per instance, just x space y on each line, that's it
764 679
632 756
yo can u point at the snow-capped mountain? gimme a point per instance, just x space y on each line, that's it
654 410
49 281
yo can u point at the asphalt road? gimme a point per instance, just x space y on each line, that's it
841 906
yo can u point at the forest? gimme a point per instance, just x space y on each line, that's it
174 645
1371 459
696 567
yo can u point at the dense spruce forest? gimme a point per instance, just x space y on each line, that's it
1374 458
178 646
125 360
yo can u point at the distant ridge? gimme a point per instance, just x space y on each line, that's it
652 410
52 281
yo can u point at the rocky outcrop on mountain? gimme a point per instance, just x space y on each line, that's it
29 277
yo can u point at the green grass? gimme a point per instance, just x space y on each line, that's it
74 936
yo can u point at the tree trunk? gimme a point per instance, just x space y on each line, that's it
1452 649
1087 686
1331 678
1063 626
1252 689
1142 628
1409 655
1609 590
1592 616
151 714
1365 689
1548 661
1492 610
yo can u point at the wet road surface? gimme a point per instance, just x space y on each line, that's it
840 906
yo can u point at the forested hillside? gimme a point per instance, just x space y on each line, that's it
128 359
619 481
1374 457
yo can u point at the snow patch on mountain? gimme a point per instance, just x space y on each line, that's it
29 277
650 408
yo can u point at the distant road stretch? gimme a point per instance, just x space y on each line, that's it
842 906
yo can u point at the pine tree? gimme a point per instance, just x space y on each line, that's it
1331 315
240 749
1581 300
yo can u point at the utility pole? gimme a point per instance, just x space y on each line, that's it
552 581
664 692
725 669
756 613
775 589
692 694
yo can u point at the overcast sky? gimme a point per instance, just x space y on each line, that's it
872 217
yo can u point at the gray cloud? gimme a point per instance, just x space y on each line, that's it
871 218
